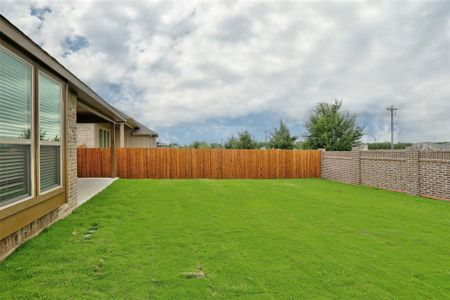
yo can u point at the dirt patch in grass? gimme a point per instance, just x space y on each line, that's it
199 273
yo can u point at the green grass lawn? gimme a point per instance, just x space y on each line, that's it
249 239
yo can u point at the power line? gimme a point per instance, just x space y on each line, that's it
392 109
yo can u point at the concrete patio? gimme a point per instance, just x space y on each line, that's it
89 187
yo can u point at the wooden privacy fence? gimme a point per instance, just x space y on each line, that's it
94 162
183 163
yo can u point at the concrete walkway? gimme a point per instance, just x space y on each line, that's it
89 187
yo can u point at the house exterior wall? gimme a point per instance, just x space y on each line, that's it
106 126
117 136
424 173
68 199
88 134
127 134
138 141
85 135
142 142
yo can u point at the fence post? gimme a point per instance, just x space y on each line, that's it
356 163
322 155
412 176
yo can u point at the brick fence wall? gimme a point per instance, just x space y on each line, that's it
337 166
434 170
425 173
384 169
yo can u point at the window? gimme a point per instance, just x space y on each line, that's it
29 147
50 92
104 138
16 130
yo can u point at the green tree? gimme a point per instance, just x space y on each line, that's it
244 140
231 143
199 144
215 145
281 138
299 145
331 129
262 145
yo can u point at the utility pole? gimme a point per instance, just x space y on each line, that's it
392 109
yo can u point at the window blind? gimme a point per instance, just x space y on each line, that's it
50 132
49 109
15 97
15 172
15 128
50 167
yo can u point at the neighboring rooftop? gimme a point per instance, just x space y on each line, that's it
139 128
445 146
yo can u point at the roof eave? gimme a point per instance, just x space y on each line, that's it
86 94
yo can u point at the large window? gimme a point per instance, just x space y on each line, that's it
29 147
16 130
50 92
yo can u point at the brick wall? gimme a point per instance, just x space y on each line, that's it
11 242
434 170
337 166
383 169
415 172
71 152
85 135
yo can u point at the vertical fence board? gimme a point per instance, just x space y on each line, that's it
94 162
199 163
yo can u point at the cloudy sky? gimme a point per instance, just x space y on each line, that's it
203 71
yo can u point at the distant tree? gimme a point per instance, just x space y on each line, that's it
232 143
331 129
262 145
216 145
199 144
281 138
299 145
195 144
244 140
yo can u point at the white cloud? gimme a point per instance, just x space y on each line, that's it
182 64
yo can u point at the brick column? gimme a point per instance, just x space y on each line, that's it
356 165
71 152
412 176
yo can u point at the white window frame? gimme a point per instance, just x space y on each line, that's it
31 142
50 143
